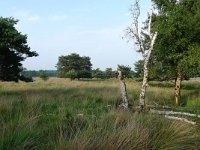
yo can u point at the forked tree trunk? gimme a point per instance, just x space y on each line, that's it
124 104
177 91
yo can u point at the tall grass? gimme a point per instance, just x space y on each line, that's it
63 114
139 132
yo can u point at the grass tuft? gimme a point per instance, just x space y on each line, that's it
63 114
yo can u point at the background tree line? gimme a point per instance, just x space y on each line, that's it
37 73
74 66
14 49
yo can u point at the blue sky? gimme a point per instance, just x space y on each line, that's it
91 28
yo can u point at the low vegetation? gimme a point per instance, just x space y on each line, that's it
64 114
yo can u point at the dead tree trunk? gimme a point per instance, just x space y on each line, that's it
124 104
177 91
168 114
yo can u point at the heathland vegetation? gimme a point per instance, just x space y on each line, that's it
87 109
64 114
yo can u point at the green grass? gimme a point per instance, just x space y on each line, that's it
63 114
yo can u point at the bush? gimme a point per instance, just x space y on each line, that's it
44 76
26 79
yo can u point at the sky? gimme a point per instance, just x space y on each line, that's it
91 28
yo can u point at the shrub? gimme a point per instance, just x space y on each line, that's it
44 76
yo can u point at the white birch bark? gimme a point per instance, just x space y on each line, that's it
174 113
133 32
124 103
168 114
146 72
180 119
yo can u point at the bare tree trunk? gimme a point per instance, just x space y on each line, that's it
144 83
177 91
133 32
124 103
146 74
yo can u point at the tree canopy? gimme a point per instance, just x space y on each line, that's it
126 71
178 42
13 50
74 66
179 33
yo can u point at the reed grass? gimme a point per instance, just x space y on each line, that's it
64 114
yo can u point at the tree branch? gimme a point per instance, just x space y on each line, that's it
168 113
174 113
180 119
133 30
149 24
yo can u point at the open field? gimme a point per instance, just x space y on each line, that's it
63 114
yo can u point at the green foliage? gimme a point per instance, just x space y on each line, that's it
35 73
191 62
97 73
178 29
126 71
13 50
157 70
107 74
74 66
72 74
139 65
59 114
44 75
26 78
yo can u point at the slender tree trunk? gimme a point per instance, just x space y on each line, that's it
134 31
146 74
124 103
144 83
177 91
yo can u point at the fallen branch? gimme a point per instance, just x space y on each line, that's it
180 119
173 113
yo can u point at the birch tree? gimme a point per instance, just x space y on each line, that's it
177 45
146 48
